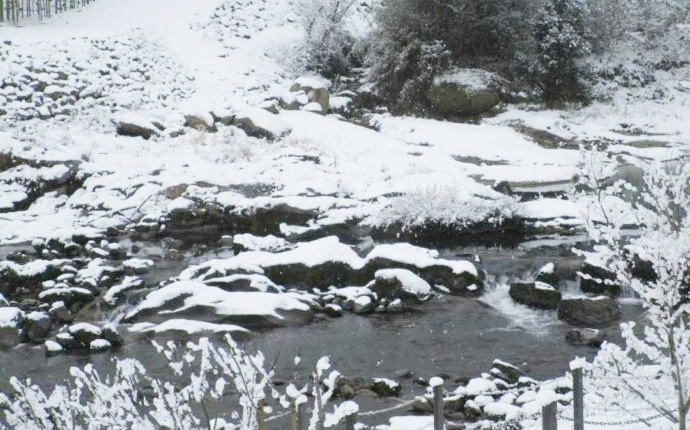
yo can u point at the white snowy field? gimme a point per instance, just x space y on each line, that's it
67 81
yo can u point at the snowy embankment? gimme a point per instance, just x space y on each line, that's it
130 119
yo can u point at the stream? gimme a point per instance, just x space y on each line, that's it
456 337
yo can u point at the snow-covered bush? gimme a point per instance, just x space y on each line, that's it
651 370
446 206
328 43
131 399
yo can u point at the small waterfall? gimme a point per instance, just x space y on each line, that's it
523 318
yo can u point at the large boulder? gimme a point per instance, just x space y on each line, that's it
464 92
598 311
315 90
536 294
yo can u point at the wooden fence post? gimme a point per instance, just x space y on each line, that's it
302 419
437 385
549 420
350 421
578 399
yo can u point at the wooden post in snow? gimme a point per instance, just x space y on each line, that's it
549 421
436 384
578 399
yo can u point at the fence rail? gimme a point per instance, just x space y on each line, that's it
15 11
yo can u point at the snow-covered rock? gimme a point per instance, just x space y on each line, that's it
196 300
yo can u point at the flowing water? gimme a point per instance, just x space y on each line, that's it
454 336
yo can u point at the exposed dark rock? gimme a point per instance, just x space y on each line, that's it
598 280
584 336
37 326
135 130
589 312
67 341
536 294
385 387
112 335
548 274
60 313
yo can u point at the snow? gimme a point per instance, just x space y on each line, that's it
502 410
10 317
185 325
310 82
327 250
543 286
411 423
472 80
435 381
411 283
52 346
578 363
84 327
99 344
256 243
222 302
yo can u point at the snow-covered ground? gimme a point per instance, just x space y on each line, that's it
66 83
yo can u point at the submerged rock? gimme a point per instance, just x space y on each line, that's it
589 312
585 337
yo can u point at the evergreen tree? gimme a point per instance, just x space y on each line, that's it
559 33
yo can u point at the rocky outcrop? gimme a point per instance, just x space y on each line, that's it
536 294
599 311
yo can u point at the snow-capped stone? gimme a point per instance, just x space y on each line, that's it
99 345
52 348
258 122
